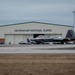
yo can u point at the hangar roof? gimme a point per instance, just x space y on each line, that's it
36 22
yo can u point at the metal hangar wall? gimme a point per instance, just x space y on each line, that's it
16 33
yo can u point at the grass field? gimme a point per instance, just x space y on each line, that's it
18 64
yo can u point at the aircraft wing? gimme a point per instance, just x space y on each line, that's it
39 40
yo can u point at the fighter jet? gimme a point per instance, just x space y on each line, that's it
42 40
53 40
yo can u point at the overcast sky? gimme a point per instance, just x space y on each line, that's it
49 11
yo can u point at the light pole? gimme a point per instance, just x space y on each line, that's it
74 20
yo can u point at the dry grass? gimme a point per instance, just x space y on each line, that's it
37 64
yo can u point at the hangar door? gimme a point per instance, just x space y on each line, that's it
13 39
9 39
27 36
16 38
52 35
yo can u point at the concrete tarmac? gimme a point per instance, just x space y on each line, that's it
37 49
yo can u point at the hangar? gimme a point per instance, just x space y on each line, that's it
15 33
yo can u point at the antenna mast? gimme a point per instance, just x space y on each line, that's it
74 20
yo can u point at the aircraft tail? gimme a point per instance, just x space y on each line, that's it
28 40
70 34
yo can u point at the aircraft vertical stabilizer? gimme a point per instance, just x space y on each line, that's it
70 34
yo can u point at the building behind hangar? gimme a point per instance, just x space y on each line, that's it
15 33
